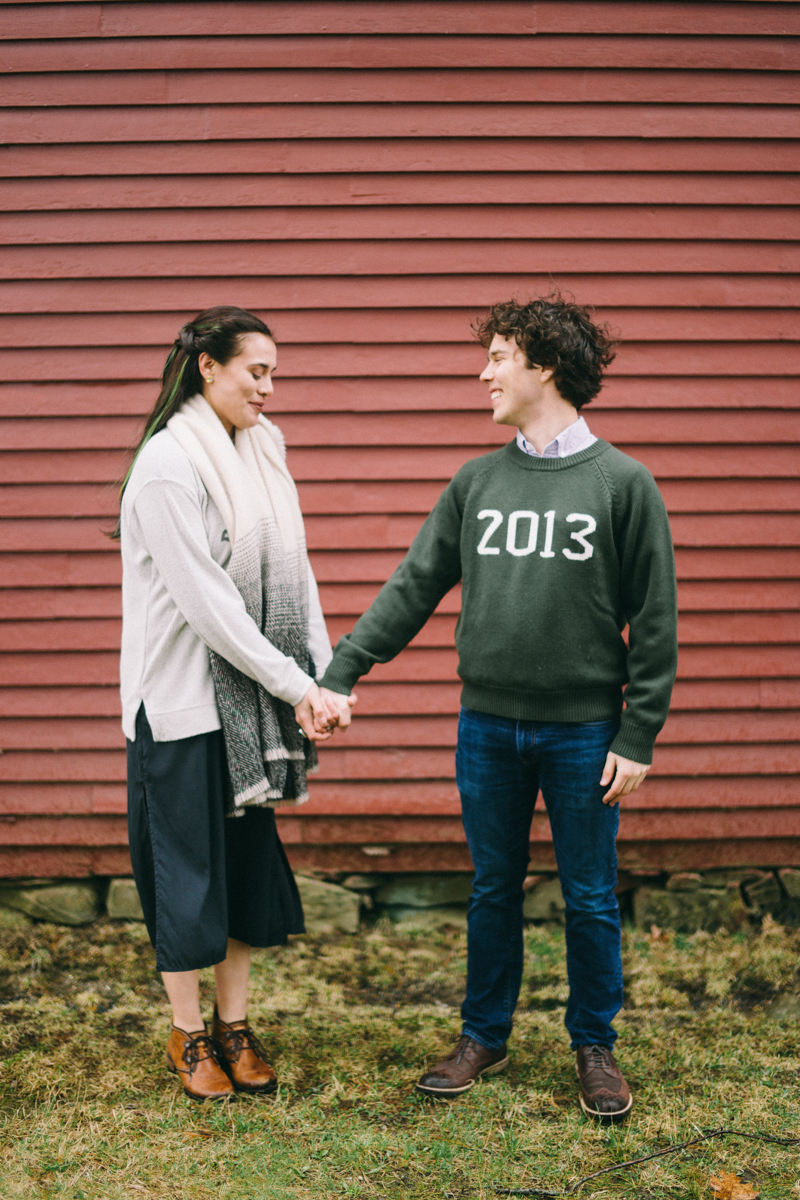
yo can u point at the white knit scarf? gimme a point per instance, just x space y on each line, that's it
268 758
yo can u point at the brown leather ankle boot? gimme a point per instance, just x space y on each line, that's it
193 1058
242 1056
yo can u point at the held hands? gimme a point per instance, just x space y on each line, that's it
342 704
627 776
321 711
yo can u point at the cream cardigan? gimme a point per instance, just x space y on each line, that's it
177 600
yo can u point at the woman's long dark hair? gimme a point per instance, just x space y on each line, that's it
217 331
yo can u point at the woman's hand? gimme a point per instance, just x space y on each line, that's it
316 714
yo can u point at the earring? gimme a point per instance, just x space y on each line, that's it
209 378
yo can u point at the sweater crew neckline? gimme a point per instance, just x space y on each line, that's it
529 463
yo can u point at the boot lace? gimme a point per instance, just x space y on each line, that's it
462 1045
192 1048
234 1041
596 1056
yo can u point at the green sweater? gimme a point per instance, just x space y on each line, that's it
557 556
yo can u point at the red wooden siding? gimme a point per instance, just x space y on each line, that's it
370 175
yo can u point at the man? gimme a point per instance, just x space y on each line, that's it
560 541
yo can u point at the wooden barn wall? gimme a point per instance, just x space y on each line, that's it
370 175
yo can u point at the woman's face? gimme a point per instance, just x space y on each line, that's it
238 391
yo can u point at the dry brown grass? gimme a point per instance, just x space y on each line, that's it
89 1112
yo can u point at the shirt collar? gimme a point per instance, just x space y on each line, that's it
574 438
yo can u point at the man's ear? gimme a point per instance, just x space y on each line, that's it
547 373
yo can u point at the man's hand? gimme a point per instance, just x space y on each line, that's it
627 776
342 704
316 715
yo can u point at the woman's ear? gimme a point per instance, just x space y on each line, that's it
206 364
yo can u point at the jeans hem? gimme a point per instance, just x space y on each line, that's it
609 1044
466 1032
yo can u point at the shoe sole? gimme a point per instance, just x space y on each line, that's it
494 1069
266 1090
173 1070
605 1117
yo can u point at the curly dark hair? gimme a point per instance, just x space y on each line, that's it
558 333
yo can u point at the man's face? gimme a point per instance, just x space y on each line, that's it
514 387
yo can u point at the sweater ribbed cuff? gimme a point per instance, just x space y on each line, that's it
634 742
340 676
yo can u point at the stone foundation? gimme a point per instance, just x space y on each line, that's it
685 901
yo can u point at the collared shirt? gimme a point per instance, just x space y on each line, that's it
575 437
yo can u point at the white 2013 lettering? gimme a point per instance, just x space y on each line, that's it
495 519
533 532
580 536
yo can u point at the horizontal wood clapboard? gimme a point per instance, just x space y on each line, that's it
370 176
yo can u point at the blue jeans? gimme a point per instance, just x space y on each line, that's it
500 766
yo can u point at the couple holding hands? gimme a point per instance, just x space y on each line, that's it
228 680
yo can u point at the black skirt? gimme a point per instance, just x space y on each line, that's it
202 877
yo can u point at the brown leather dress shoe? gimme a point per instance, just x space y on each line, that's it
192 1057
242 1056
458 1072
605 1095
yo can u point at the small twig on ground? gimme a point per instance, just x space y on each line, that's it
634 1162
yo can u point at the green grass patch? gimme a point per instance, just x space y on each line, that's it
90 1113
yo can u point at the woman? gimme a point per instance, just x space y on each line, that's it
222 637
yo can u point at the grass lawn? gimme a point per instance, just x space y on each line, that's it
90 1113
